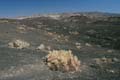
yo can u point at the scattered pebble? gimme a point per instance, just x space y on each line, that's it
50 33
41 47
109 51
111 71
106 60
74 33
91 31
115 60
78 45
87 44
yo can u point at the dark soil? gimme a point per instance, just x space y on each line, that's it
99 52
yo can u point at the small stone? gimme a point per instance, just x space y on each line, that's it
103 60
111 71
109 51
78 47
91 31
87 44
50 33
48 47
97 60
115 60
21 70
41 47
98 46
74 32
78 44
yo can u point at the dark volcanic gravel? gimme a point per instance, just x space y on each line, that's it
98 62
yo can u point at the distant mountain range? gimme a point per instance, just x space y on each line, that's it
62 15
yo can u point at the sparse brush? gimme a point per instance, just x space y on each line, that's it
61 60
19 44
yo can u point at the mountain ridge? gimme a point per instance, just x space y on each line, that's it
66 14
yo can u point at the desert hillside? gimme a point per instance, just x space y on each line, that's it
93 37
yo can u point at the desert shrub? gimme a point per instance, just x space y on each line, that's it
61 60
19 44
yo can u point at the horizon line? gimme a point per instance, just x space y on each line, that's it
50 13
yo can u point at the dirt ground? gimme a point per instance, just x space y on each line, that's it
97 62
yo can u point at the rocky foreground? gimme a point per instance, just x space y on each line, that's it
92 37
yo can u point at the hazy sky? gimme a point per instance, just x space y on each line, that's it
12 8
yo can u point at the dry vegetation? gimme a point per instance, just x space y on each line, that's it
61 60
19 44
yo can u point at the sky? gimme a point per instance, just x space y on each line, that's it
13 8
